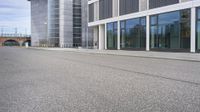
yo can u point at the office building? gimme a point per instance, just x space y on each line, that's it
59 23
151 25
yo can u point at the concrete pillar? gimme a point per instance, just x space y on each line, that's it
115 8
193 30
147 33
118 35
101 37
143 5
118 5
147 4
95 37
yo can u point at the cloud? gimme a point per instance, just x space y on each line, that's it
15 13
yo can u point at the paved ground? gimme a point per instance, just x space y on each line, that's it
56 81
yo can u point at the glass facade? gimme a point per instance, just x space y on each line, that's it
112 35
198 30
77 23
105 9
128 6
133 33
161 3
53 23
170 31
38 26
91 12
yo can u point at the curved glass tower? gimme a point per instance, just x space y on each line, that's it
59 23
53 23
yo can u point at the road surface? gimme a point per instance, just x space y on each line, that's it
56 81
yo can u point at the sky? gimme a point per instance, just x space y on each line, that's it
15 14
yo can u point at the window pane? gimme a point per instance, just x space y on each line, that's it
160 3
154 42
172 30
198 29
198 13
168 18
143 21
185 29
122 24
198 35
153 20
112 35
133 33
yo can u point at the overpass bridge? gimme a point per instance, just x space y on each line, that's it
14 41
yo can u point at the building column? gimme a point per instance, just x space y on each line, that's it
147 4
101 37
118 8
147 33
118 35
193 30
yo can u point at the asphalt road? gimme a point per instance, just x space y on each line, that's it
57 81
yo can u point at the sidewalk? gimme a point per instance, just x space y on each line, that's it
142 54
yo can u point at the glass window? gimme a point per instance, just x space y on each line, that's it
161 3
198 13
91 12
122 24
185 29
143 21
53 22
168 18
153 37
198 29
133 33
105 9
112 35
128 6
171 31
153 20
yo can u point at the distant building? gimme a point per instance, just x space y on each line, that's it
59 23
156 25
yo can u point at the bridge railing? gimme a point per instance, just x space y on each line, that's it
14 35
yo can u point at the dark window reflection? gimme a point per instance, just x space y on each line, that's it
170 30
133 33
112 35
198 29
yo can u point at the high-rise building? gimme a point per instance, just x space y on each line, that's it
151 25
59 23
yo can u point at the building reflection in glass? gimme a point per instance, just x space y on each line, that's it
170 31
133 33
112 35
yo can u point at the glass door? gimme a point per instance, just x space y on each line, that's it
112 35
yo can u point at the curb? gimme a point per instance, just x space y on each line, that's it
115 54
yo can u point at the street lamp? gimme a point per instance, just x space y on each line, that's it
46 25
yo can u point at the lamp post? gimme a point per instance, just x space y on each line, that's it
46 25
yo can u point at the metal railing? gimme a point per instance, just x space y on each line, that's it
14 35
